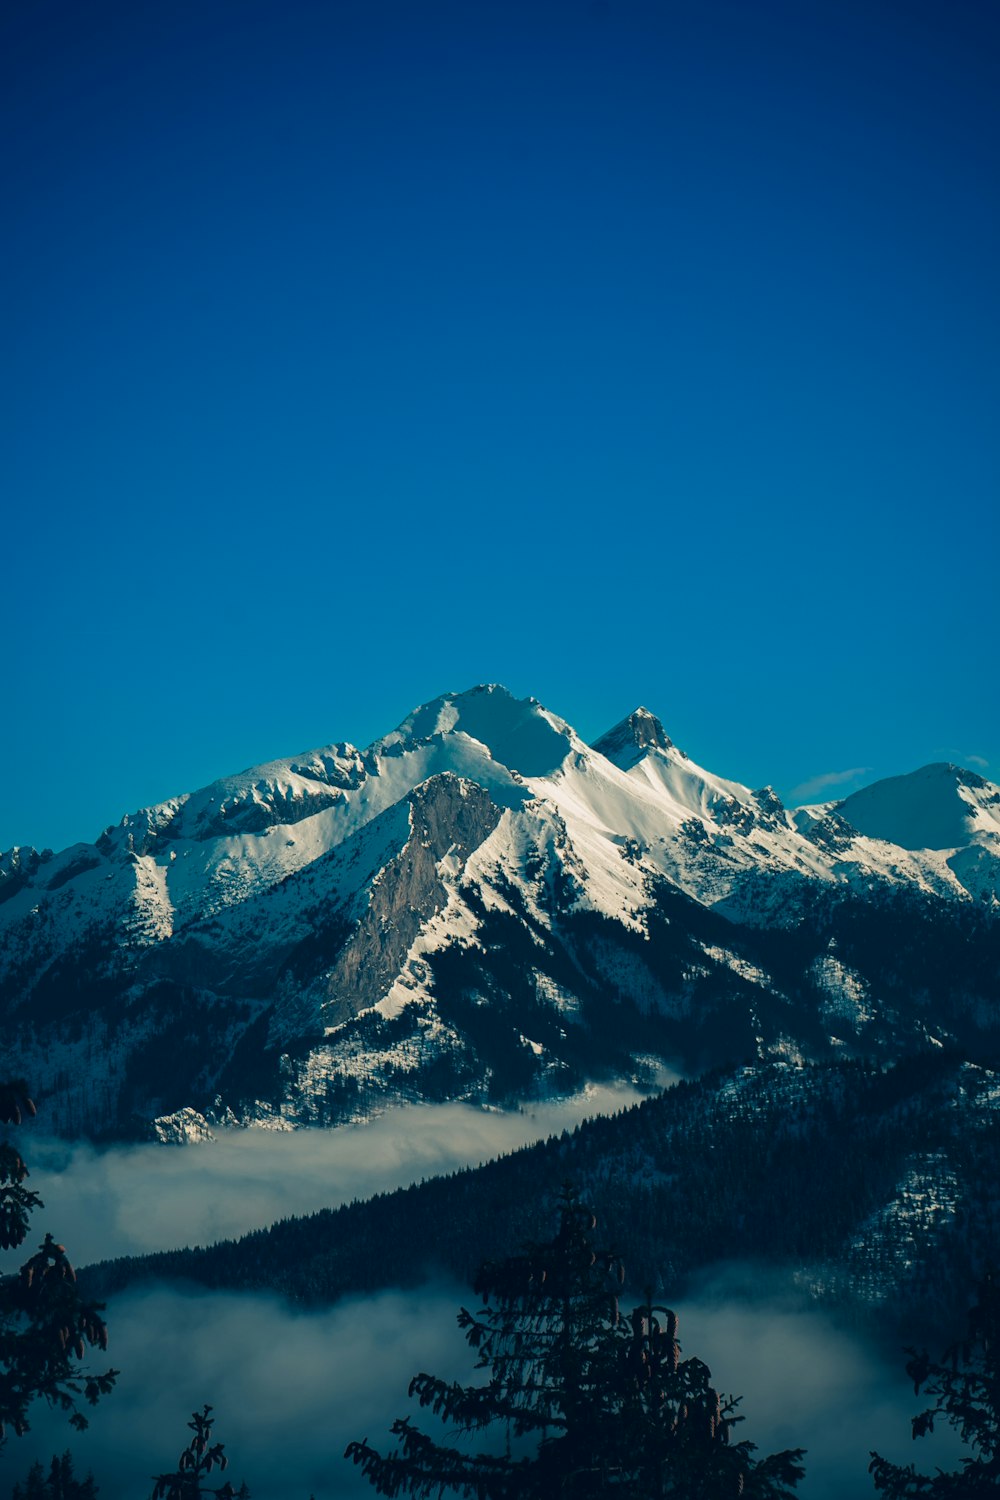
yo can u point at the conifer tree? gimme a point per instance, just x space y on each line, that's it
189 1481
589 1404
45 1324
965 1391
60 1483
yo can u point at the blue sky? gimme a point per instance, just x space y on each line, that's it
618 352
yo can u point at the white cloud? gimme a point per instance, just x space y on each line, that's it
810 790
291 1388
130 1200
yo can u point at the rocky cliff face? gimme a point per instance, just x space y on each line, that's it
626 743
449 819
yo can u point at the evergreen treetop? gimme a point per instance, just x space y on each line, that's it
964 1388
45 1324
588 1403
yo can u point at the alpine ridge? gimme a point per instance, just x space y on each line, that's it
481 905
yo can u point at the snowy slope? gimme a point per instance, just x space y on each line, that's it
325 903
938 807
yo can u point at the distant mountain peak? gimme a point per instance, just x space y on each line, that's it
629 740
939 806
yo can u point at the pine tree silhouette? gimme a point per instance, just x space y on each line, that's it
965 1391
589 1404
45 1324
197 1461
59 1484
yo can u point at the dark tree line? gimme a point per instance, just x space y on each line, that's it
590 1399
58 1482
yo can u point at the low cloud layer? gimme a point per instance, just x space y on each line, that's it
290 1389
134 1199
806 1382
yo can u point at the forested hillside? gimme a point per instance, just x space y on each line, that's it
873 1190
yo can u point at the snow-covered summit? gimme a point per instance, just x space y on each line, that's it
201 853
518 732
941 806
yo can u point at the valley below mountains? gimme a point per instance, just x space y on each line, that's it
867 1191
480 906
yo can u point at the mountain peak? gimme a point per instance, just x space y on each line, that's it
518 732
940 806
629 740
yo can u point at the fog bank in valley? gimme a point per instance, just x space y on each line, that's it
130 1200
290 1389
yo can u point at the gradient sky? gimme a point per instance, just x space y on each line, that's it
623 352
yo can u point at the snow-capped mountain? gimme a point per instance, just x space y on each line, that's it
481 903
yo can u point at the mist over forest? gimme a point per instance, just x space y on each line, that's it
290 1388
154 1197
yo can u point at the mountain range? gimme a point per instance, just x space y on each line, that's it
480 905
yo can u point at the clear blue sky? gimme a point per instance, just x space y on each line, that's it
623 352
